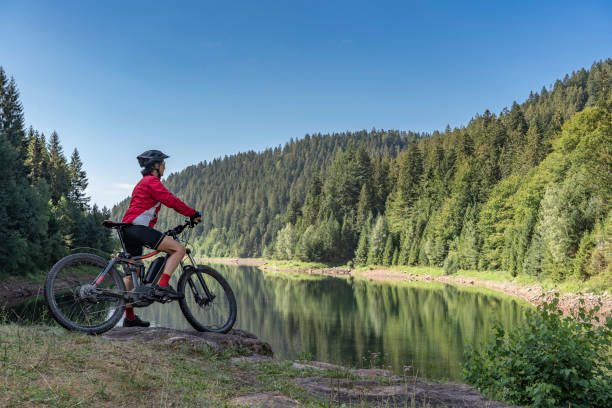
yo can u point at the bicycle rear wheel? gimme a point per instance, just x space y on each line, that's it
72 299
209 303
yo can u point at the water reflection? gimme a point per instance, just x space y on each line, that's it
356 322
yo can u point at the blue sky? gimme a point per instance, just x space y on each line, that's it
200 80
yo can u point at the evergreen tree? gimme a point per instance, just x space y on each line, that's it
361 254
410 171
348 173
310 210
36 157
293 209
3 82
387 259
58 169
78 181
377 241
12 118
364 208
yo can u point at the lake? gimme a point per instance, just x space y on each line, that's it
414 328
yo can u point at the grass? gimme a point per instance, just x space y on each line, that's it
300 265
48 366
597 285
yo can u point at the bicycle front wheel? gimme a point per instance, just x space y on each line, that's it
209 303
73 300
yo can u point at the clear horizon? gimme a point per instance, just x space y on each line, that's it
202 80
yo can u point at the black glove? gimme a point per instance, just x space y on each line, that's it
192 220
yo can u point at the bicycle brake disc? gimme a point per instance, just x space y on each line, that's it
86 293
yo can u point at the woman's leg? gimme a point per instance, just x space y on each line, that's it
176 252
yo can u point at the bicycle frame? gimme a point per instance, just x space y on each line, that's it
121 259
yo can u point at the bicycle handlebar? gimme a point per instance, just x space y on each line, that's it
179 228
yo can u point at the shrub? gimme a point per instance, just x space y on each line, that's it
549 361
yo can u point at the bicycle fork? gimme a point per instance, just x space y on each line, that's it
209 297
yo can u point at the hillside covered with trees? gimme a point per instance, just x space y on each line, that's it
527 190
44 212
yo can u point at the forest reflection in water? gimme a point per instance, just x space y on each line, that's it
360 323
353 322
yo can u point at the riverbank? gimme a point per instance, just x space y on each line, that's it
158 367
534 293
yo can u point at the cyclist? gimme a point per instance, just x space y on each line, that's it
147 198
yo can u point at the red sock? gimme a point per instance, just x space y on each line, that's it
163 281
129 313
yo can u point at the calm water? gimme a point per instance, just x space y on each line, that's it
356 322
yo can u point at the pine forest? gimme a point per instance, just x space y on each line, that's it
527 190
44 211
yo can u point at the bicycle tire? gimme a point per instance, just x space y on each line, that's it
201 317
90 265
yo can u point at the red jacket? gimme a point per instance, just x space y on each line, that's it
147 198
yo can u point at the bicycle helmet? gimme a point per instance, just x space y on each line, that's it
150 157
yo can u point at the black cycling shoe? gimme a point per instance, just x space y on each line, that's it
135 322
167 291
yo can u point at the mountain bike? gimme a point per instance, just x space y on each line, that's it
85 292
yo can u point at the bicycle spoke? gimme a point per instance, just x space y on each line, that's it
76 304
209 303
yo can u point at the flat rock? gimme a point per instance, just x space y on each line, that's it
235 338
410 391
266 399
255 358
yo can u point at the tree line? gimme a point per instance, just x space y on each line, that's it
44 211
526 190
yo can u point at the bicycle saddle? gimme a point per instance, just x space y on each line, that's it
113 224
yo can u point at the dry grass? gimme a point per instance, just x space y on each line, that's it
44 366
48 366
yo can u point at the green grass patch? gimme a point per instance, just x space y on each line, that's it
294 276
597 285
300 265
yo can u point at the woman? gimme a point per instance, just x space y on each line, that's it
147 198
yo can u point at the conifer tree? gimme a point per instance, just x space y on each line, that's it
11 116
364 208
312 204
377 241
78 181
34 157
395 257
387 258
293 209
361 254
58 169
3 82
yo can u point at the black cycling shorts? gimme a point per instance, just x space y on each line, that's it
137 236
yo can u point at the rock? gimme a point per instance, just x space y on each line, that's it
408 391
373 387
322 365
266 399
375 373
256 358
300 366
236 338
